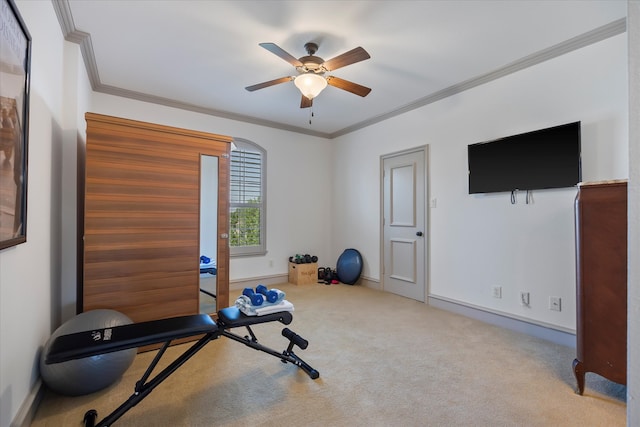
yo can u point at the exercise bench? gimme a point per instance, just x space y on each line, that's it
84 344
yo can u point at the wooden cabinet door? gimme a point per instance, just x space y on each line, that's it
140 253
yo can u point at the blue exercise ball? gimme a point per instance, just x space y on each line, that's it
349 266
90 374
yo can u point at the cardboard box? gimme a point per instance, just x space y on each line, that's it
303 274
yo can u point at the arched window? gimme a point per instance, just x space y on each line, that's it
247 209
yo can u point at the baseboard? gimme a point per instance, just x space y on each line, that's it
539 330
27 411
252 282
368 282
276 279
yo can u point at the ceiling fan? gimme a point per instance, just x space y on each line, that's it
311 69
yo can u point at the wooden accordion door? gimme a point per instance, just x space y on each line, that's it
140 253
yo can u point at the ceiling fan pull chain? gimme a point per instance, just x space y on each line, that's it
311 115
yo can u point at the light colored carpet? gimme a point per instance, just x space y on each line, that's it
383 360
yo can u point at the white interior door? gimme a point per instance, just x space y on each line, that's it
404 222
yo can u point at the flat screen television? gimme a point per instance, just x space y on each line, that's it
545 158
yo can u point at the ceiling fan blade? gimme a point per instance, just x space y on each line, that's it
348 86
277 50
354 55
269 83
306 102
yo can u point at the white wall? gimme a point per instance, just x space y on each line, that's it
478 241
633 304
30 272
77 89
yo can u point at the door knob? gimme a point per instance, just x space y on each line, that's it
419 233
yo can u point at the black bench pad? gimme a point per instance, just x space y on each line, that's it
106 340
232 317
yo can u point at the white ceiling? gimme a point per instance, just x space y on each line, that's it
200 55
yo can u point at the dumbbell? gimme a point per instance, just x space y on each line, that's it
270 295
256 298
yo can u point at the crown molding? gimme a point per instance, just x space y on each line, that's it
83 39
594 36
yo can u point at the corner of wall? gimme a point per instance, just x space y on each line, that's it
30 405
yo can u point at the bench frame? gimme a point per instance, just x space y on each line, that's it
66 347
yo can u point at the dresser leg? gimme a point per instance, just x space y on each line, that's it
578 371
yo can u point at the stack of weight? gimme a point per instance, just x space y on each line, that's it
327 276
303 259
302 269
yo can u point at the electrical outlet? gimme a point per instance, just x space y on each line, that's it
497 291
524 298
555 303
270 263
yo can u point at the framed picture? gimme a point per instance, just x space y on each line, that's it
15 63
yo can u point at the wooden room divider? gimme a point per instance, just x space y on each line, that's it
139 235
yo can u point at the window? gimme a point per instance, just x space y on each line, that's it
247 216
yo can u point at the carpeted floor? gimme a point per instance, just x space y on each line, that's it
383 360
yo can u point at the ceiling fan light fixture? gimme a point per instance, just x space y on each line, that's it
310 84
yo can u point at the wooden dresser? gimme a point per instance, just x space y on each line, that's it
601 262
